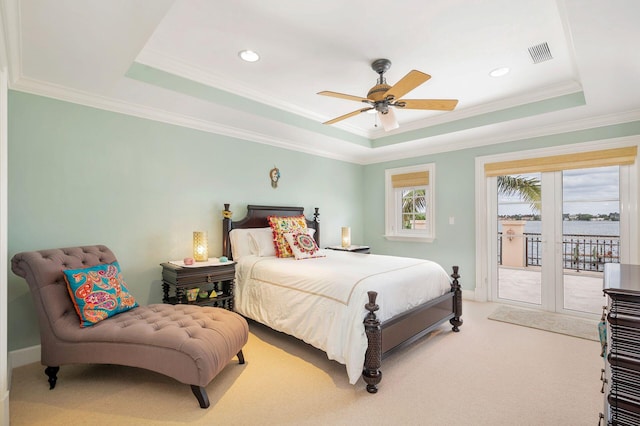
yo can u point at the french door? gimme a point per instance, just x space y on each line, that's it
549 253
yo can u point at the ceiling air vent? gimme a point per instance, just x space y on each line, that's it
540 53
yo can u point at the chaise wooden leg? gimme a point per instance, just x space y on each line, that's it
201 395
52 372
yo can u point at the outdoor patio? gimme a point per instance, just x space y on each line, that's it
582 290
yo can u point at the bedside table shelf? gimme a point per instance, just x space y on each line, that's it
176 280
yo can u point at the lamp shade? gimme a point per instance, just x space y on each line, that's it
346 236
200 246
388 120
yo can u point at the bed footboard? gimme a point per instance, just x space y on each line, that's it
400 331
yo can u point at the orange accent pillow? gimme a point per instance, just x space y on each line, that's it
280 225
98 292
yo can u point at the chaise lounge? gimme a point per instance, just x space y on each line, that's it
191 344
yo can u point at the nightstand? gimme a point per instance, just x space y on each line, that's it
352 249
215 278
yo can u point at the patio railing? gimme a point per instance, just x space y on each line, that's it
579 252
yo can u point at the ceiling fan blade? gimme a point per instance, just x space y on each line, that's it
406 84
433 104
343 96
388 120
351 114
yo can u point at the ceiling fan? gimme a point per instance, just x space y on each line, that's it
382 96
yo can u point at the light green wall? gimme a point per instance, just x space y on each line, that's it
79 176
455 196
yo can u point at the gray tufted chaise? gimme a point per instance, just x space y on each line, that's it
190 343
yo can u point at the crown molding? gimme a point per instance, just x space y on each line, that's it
142 111
192 72
418 147
189 71
11 19
431 146
445 145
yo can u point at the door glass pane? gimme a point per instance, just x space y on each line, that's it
591 233
519 242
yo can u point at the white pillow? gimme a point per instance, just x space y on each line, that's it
240 243
262 242
256 241
303 245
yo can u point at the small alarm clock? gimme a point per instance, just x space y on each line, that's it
223 259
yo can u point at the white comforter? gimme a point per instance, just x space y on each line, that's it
321 300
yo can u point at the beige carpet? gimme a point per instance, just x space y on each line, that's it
490 373
548 321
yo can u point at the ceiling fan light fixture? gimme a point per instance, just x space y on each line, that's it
388 120
248 55
500 72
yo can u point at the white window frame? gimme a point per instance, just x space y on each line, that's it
393 207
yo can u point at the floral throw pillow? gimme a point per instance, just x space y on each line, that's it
280 225
303 245
98 292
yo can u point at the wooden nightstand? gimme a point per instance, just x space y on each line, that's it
217 280
352 249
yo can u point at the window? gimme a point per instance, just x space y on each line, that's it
409 203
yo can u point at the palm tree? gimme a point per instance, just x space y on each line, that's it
527 188
414 205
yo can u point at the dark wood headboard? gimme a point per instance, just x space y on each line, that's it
257 218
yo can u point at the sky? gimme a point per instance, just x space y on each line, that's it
594 191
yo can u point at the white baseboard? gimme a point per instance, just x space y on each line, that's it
4 408
24 356
468 294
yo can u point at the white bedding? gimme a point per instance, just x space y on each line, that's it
321 300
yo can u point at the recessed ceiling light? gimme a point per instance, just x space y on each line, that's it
499 72
248 55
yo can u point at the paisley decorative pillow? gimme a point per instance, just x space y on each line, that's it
280 225
98 292
303 245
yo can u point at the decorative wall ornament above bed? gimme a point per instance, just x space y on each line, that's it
331 301
274 175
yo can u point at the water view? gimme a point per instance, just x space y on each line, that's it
576 227
586 245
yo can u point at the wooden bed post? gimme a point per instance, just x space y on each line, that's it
373 357
316 219
226 228
456 321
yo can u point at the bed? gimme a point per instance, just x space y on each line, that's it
358 308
